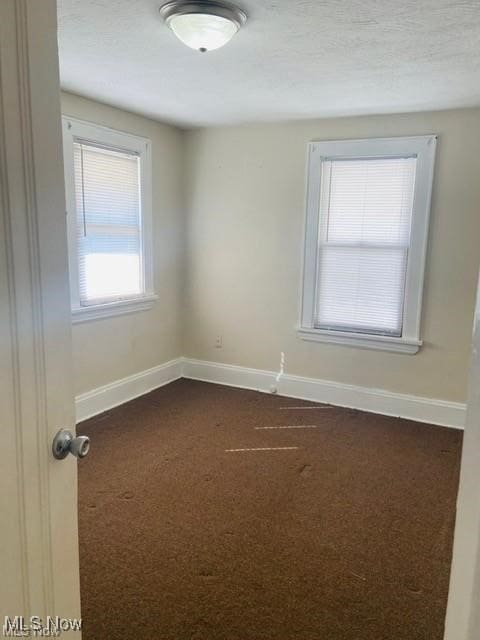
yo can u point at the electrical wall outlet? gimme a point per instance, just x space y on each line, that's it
218 342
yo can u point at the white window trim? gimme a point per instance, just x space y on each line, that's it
109 309
423 147
74 129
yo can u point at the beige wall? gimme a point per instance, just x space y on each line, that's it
244 192
112 348
245 203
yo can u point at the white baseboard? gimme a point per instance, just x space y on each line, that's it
111 395
431 410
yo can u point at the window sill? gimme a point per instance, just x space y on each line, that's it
110 309
380 343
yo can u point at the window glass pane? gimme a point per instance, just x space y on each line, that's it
364 235
107 194
109 266
369 200
361 289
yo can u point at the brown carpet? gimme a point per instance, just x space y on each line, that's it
346 538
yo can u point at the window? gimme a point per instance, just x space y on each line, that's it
368 204
108 189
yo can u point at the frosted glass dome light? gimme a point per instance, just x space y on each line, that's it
203 26
203 32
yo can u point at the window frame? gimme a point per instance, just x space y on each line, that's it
423 148
80 130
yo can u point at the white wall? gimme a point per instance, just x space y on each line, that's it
113 348
245 203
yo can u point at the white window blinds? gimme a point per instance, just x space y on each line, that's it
364 238
108 223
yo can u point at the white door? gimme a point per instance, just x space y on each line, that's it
39 573
463 611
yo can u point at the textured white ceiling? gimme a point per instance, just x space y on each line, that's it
293 59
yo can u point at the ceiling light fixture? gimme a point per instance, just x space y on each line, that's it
203 25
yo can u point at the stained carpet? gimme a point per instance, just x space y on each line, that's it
347 537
